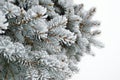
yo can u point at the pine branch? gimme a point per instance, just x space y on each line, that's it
44 39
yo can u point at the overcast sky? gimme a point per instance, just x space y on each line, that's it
106 64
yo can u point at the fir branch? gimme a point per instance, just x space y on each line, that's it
44 39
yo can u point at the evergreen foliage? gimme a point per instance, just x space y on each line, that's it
44 39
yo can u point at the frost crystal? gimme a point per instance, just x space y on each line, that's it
44 39
11 10
3 25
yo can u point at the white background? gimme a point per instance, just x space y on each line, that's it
106 64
